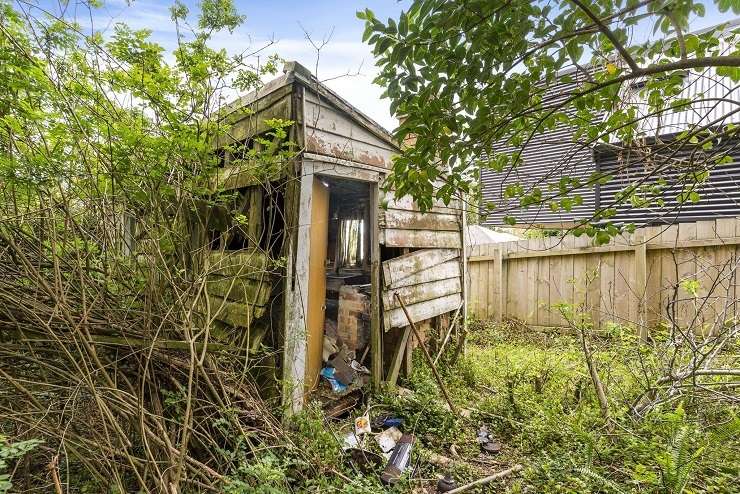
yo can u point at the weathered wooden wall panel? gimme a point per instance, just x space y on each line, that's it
636 280
422 292
331 132
422 311
415 220
420 239
238 287
443 271
397 269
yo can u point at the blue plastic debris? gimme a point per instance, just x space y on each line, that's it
328 374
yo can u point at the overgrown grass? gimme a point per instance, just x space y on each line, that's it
533 392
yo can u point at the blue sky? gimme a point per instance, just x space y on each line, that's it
284 22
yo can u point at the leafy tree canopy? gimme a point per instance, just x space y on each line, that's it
469 77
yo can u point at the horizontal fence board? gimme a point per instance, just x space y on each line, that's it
232 313
252 264
407 203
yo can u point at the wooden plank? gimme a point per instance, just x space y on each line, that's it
686 271
406 203
401 267
254 219
344 169
725 259
240 289
653 275
593 296
464 272
402 348
295 351
422 311
247 120
706 275
539 274
533 307
421 239
567 270
376 331
640 287
623 296
420 293
446 270
490 285
685 244
414 220
606 285
669 273
580 275
516 281
343 147
232 313
251 264
499 282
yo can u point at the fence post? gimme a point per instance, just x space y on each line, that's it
498 260
640 287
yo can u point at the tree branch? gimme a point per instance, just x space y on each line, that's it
609 34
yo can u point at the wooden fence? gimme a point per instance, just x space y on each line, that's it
685 271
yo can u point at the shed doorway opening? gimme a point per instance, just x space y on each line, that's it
340 288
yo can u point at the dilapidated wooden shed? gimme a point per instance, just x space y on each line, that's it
308 259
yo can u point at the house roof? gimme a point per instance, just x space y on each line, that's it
295 72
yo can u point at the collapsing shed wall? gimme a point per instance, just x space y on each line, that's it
428 277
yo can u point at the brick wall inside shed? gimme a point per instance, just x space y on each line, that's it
353 327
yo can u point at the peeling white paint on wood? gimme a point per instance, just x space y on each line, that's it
443 271
420 239
398 268
414 294
422 311
414 220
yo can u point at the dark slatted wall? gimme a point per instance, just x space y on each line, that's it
545 159
719 194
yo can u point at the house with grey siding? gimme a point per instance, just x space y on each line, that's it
550 155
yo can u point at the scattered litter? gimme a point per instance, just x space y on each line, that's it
328 374
487 442
393 422
359 367
385 421
350 441
399 460
446 483
362 425
344 373
388 438
453 451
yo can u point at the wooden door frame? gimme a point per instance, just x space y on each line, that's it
296 296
